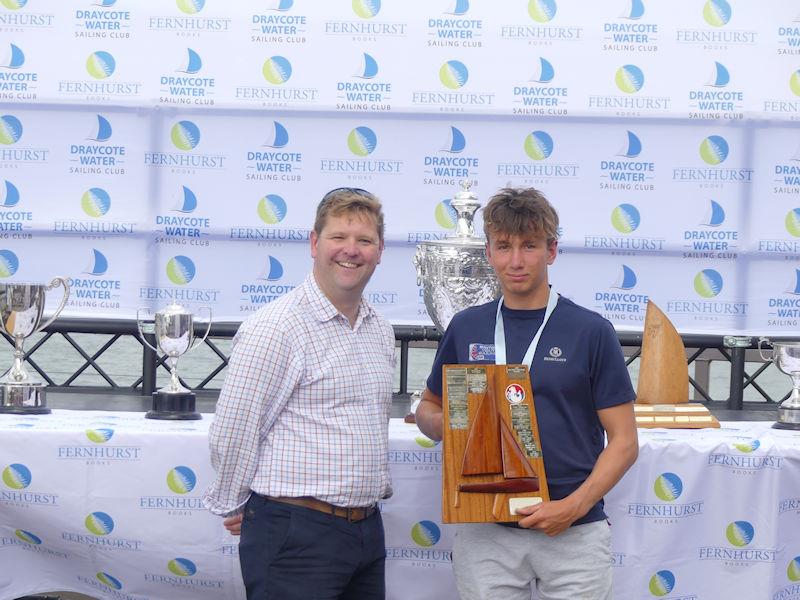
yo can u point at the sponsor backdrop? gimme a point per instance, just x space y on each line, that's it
108 505
176 149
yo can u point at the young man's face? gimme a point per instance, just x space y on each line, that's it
520 262
345 253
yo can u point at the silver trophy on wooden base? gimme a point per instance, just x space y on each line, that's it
173 328
454 272
21 310
786 356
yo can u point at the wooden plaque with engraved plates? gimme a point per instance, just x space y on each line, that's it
491 450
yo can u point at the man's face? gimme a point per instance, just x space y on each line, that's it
345 253
520 262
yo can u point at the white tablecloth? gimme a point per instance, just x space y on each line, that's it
108 504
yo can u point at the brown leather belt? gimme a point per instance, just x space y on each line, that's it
352 514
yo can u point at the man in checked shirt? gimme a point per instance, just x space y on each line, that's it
300 437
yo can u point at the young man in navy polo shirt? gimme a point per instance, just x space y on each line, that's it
581 389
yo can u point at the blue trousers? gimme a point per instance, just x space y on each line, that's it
291 552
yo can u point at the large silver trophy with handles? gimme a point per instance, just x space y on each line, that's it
786 356
21 310
173 329
454 272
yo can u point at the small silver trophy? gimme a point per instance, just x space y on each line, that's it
454 272
786 356
173 328
21 309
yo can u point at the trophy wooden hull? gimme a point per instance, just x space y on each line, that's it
492 458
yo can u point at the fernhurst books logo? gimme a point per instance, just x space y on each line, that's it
366 9
793 569
185 135
739 533
181 480
668 487
714 150
182 572
629 79
99 435
28 537
101 64
277 70
17 476
662 583
794 82
362 141
542 11
182 567
271 209
745 459
748 446
453 74
181 270
190 7
625 218
109 581
426 533
99 523
14 4
10 130
708 283
96 202
792 222
445 215
9 263
538 145
717 13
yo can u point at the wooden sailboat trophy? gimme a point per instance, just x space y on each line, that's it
492 459
662 394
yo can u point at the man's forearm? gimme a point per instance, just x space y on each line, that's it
429 419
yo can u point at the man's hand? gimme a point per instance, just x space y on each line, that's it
550 517
233 524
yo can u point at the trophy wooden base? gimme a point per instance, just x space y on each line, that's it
492 459
685 415
176 406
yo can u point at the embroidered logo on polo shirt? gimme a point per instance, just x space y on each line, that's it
481 352
555 355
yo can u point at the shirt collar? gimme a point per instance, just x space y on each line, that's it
324 310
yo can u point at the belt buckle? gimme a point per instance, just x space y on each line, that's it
350 514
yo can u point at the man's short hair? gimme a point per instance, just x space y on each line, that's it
348 200
520 211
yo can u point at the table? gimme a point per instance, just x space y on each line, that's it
108 504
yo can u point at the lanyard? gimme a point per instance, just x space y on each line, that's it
500 333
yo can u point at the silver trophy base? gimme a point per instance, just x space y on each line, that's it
23 399
175 406
788 417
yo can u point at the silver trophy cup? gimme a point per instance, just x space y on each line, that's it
21 310
786 356
454 272
173 329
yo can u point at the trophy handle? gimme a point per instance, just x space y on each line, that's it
208 329
764 357
52 285
141 333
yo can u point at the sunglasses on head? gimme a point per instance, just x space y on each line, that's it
347 190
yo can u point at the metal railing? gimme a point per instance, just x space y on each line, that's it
702 352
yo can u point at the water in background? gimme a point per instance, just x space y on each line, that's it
122 362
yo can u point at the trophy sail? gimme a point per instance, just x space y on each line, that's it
662 393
